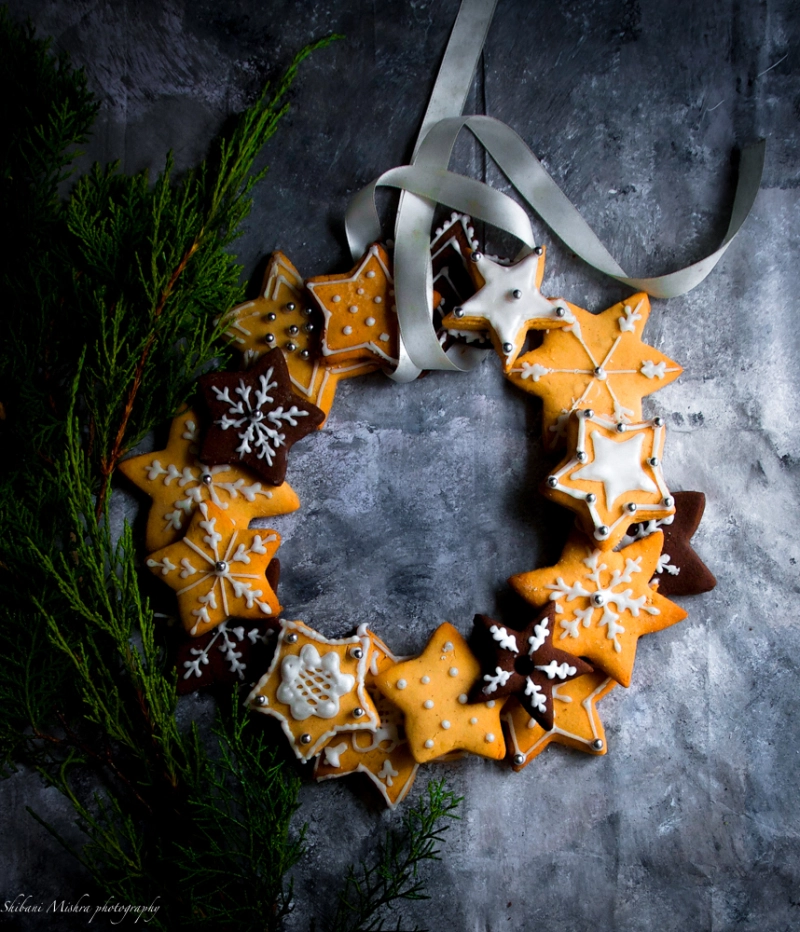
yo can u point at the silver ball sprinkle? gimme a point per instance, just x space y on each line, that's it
516 294
356 652
220 567
560 311
621 428
591 498
293 330
305 738
358 712
306 312
291 306
519 759
206 478
658 421
598 371
458 312
538 250
291 638
598 599
597 744
653 461
304 354
269 338
508 348
603 531
552 481
581 456
261 700
308 328
272 316
476 256
669 501
588 413
290 347
631 508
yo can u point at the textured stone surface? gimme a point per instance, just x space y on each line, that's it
419 500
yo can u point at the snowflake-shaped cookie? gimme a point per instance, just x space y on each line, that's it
218 571
597 361
178 481
603 601
255 417
509 304
613 477
576 721
315 687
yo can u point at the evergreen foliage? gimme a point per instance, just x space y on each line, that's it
114 299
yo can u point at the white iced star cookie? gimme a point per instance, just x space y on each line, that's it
509 304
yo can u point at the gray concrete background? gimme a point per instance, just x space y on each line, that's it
419 500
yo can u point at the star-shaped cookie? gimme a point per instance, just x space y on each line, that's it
613 474
255 417
509 304
315 687
432 690
218 571
679 571
383 755
524 664
603 601
282 317
597 361
576 722
359 310
178 481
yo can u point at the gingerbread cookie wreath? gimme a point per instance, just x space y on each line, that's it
349 704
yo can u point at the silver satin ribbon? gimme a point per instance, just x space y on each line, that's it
427 182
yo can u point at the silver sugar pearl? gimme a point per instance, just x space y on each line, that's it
519 759
272 316
653 461
669 501
261 700
508 348
356 652
631 508
220 567
538 250
293 330
588 413
358 712
516 294
305 738
269 338
308 328
560 311
291 306
658 421
581 456
603 531
598 599
458 312
591 498
621 428
291 638
206 478
290 347
304 354
476 256
552 481
597 744
306 312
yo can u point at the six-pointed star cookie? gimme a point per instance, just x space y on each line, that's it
680 571
509 304
178 481
432 690
576 722
360 313
255 417
218 571
315 687
383 755
524 664
603 601
613 474
598 361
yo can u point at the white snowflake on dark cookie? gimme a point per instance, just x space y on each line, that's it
524 664
255 417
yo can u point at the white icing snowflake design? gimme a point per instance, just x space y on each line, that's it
257 425
313 685
227 640
600 596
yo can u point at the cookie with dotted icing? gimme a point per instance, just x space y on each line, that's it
576 722
359 310
603 601
254 417
509 304
524 664
178 481
218 571
680 571
596 361
315 687
612 475
382 755
433 689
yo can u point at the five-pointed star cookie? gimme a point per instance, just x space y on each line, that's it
432 690
613 474
576 722
359 309
509 304
282 317
603 601
383 755
177 481
218 571
680 571
524 664
315 687
597 361
255 417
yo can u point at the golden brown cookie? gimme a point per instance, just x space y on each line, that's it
597 361
359 310
576 723
612 476
218 571
603 600
432 690
178 482
315 687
